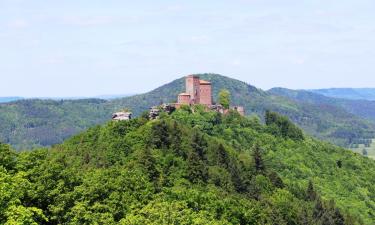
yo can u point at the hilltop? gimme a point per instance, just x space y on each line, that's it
9 99
188 168
31 123
348 93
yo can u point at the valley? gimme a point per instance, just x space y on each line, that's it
370 150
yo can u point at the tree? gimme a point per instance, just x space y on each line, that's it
7 157
280 125
276 180
160 134
310 192
176 139
148 162
223 156
197 169
318 209
224 98
258 159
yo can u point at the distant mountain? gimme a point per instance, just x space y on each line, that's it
348 93
361 108
30 123
9 99
110 97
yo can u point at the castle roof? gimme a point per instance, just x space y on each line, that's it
204 82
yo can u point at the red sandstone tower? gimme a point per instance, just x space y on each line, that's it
193 88
205 93
197 92
200 92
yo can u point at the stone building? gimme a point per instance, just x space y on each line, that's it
200 92
197 92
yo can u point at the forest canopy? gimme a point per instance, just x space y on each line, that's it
188 168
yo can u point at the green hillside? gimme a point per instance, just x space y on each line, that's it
360 108
188 168
348 93
32 123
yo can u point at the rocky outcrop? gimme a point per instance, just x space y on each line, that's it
156 110
120 116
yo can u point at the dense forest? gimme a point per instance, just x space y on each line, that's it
189 167
26 124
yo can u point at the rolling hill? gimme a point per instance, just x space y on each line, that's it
348 93
31 123
188 168
362 108
9 99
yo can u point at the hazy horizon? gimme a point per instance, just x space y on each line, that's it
120 95
91 48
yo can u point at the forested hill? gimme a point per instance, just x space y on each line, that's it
362 108
31 123
188 168
348 93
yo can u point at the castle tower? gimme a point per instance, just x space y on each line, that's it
205 93
193 88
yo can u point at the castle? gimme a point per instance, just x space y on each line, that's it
197 92
200 92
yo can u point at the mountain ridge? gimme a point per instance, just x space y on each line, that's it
348 93
32 123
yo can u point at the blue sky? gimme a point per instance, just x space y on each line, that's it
92 47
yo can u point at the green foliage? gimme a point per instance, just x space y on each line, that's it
258 159
224 98
190 167
280 125
7 157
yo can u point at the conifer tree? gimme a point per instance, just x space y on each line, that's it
310 192
148 162
197 157
199 144
197 170
258 159
223 156
176 139
318 209
160 134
